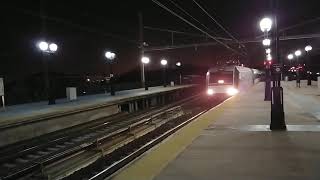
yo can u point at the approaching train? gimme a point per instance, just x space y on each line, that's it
230 80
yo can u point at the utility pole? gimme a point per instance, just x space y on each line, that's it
141 46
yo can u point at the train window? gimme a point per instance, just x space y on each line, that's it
221 77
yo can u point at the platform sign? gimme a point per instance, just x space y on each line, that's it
276 68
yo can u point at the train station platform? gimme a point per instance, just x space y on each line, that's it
233 141
25 121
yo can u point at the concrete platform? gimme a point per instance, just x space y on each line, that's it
26 121
233 141
24 112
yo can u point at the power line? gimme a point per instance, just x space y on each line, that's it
191 24
179 7
281 38
206 12
181 32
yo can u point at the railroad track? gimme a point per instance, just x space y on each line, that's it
110 163
34 160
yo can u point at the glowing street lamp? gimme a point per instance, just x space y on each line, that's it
145 60
297 53
164 63
269 57
110 57
178 64
290 56
48 48
268 51
308 48
265 24
266 42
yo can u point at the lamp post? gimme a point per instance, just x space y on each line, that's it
290 58
265 26
164 63
298 53
48 49
277 111
178 64
307 49
145 61
110 57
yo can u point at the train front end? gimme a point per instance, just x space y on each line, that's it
221 83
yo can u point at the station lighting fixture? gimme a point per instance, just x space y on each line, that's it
266 42
308 48
220 81
110 55
265 24
290 56
297 53
53 47
269 57
145 60
178 64
46 47
268 51
164 62
43 46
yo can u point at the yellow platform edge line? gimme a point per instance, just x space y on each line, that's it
152 163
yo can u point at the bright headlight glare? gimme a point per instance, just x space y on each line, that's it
232 91
210 92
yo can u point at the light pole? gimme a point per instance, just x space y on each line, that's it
47 49
290 58
307 49
298 53
145 61
164 63
178 64
110 57
265 26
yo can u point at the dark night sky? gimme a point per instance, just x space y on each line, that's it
85 29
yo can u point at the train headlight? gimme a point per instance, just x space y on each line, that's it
220 81
210 92
232 91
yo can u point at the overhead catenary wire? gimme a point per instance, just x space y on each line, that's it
245 41
188 14
196 27
221 26
182 32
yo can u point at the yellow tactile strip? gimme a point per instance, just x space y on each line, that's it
152 163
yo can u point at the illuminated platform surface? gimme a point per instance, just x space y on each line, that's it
25 112
233 141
